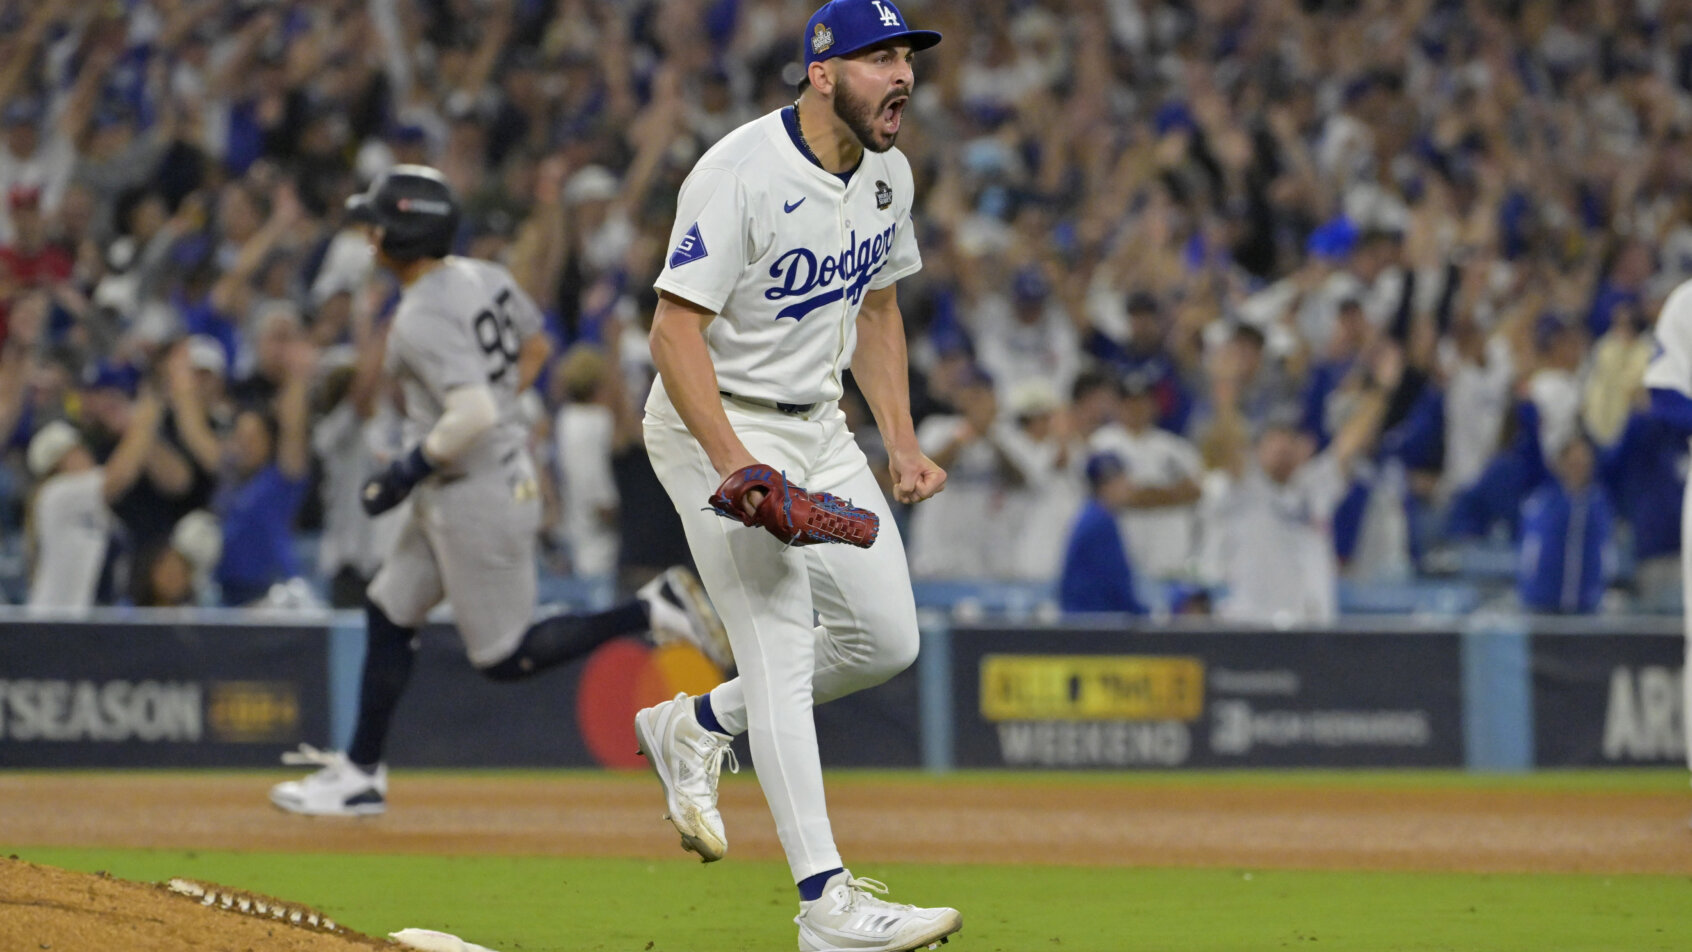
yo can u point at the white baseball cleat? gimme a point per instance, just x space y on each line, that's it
688 759
339 788
847 918
679 610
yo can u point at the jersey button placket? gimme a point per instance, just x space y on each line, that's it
845 299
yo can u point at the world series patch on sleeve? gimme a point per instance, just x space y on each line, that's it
792 514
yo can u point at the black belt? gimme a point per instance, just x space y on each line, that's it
783 407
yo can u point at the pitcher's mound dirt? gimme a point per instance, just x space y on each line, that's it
52 909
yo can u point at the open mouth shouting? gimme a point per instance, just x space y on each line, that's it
892 113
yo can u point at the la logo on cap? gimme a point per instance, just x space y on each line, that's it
822 39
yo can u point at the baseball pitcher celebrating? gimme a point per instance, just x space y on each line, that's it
789 236
466 342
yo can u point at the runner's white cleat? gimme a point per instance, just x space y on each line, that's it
849 919
680 611
339 788
688 759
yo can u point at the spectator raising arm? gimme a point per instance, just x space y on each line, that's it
191 424
285 213
538 253
129 459
23 48
293 413
17 363
496 22
1364 425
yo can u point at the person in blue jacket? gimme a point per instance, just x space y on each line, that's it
1566 528
1097 576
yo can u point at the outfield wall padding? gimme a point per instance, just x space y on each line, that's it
222 688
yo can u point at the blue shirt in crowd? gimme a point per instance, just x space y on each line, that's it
258 540
1096 574
1564 540
1325 378
1645 472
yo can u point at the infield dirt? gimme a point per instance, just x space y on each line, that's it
893 820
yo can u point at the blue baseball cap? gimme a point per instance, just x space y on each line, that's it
1029 285
1103 467
842 27
1332 239
110 375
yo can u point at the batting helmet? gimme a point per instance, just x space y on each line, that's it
415 208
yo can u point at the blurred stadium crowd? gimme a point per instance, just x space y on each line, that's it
1222 299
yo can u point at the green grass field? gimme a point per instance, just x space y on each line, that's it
545 904
553 904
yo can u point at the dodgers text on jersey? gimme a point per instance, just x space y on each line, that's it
800 273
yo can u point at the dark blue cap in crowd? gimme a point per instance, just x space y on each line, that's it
1548 328
1173 117
1029 285
407 133
1102 467
107 375
842 27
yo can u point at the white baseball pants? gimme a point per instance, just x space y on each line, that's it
771 598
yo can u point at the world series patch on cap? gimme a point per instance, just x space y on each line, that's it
843 27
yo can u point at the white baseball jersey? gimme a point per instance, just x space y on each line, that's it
1671 366
1476 402
351 449
1160 541
72 527
1671 369
585 434
783 251
470 537
1273 545
460 325
970 530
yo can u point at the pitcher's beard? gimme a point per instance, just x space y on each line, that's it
860 117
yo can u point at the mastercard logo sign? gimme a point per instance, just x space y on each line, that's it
623 677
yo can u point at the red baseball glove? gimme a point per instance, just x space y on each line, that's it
791 514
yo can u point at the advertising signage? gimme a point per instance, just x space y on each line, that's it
1084 698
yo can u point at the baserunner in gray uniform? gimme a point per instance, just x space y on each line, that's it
465 343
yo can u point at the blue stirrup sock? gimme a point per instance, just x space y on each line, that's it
811 887
706 717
